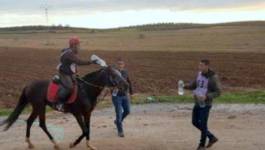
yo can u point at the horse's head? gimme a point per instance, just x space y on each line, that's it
110 75
113 78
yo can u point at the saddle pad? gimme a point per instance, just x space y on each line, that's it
53 89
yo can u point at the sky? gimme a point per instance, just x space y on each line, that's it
118 13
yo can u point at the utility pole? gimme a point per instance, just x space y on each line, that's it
46 8
46 15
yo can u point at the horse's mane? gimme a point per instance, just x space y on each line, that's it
92 75
91 79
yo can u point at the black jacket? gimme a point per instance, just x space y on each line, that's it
67 58
125 75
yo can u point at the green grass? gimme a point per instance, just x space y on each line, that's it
4 112
251 97
7 111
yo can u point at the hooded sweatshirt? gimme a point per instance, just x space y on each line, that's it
206 84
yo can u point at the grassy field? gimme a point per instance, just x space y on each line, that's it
231 37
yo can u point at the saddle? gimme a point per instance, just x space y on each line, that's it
53 88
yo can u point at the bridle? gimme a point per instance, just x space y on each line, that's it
96 86
91 84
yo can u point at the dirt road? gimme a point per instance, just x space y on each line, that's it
150 127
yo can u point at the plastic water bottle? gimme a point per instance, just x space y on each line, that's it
181 87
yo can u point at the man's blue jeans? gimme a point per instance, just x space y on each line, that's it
122 109
200 120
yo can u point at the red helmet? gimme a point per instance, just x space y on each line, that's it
74 41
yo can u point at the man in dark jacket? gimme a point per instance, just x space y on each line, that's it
67 69
205 88
121 99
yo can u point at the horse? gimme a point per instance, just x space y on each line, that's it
89 88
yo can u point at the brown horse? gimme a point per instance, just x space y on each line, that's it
90 87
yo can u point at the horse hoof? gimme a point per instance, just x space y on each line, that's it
31 146
56 147
72 145
91 147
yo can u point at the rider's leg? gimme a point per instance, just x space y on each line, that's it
63 93
65 90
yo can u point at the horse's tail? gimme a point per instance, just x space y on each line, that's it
22 103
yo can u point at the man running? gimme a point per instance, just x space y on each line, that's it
121 99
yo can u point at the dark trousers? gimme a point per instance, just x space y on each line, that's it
200 117
66 88
122 109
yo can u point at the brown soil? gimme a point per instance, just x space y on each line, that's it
151 72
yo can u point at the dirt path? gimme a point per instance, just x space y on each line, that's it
150 127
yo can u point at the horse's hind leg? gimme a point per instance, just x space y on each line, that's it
44 128
30 121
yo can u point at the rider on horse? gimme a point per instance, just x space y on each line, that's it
67 70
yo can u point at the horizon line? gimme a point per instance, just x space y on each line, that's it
135 25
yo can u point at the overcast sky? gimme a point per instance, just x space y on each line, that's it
115 13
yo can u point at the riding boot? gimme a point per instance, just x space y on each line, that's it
63 94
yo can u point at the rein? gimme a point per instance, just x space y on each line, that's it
94 85
88 83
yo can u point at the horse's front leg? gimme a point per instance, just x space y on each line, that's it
87 122
83 128
43 126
